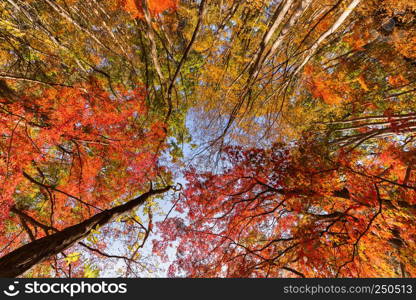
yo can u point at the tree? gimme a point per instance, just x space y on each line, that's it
23 258
297 213
86 118
69 153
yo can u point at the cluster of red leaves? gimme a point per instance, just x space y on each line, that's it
326 86
274 214
135 7
83 146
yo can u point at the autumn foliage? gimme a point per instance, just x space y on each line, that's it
276 213
62 145
208 138
135 7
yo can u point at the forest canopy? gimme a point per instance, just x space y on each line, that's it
207 138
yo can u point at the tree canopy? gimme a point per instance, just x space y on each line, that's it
207 138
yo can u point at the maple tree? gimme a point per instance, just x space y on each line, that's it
69 154
359 93
297 213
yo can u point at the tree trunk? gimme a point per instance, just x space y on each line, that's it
22 259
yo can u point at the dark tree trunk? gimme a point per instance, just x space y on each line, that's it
22 259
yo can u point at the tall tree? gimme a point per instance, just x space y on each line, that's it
69 153
295 212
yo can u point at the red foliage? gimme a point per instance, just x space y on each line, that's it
66 151
135 7
270 213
